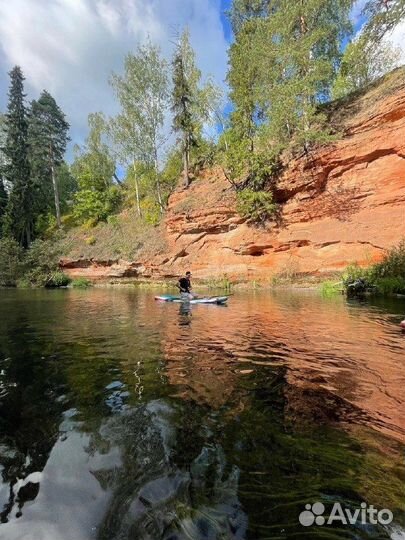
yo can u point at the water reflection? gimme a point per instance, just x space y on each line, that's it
124 418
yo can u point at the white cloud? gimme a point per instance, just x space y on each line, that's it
70 47
357 11
397 38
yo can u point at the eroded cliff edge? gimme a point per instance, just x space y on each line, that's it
342 203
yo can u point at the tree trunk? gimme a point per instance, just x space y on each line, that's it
186 159
55 193
138 203
157 181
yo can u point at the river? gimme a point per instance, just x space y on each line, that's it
124 418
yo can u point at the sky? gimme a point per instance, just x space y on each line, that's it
71 47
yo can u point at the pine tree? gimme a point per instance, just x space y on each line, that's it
48 137
3 192
20 214
3 204
291 56
182 106
382 17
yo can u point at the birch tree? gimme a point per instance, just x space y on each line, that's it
138 130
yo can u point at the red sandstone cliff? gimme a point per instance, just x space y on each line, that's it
342 203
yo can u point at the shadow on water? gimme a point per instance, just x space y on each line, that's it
121 418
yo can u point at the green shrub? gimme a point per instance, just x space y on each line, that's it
256 206
393 263
58 279
113 200
23 283
354 272
390 285
113 220
81 283
386 277
90 241
45 225
150 210
219 282
42 261
11 262
330 288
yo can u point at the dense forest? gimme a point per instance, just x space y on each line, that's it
287 60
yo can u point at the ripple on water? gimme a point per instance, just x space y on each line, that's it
149 421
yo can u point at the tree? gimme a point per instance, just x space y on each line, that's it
246 10
382 17
290 56
363 62
94 169
3 204
243 78
3 192
138 130
20 213
194 104
183 118
48 137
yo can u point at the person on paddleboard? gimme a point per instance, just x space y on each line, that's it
186 287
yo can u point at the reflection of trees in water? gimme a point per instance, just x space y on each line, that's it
166 489
29 410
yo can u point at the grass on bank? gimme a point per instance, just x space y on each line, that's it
386 277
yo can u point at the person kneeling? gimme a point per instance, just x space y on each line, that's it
186 287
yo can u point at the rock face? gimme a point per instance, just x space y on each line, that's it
340 204
94 269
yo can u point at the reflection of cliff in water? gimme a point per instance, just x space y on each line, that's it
154 495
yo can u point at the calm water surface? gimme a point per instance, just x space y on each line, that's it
122 418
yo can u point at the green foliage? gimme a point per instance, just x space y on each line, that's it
387 276
363 61
219 282
20 212
81 283
67 184
47 140
390 285
11 262
393 264
57 279
193 103
3 203
331 288
90 205
256 169
42 263
202 156
45 225
97 196
354 272
172 170
90 241
282 64
137 131
150 210
256 206
382 17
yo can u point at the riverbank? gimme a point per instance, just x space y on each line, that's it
333 206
